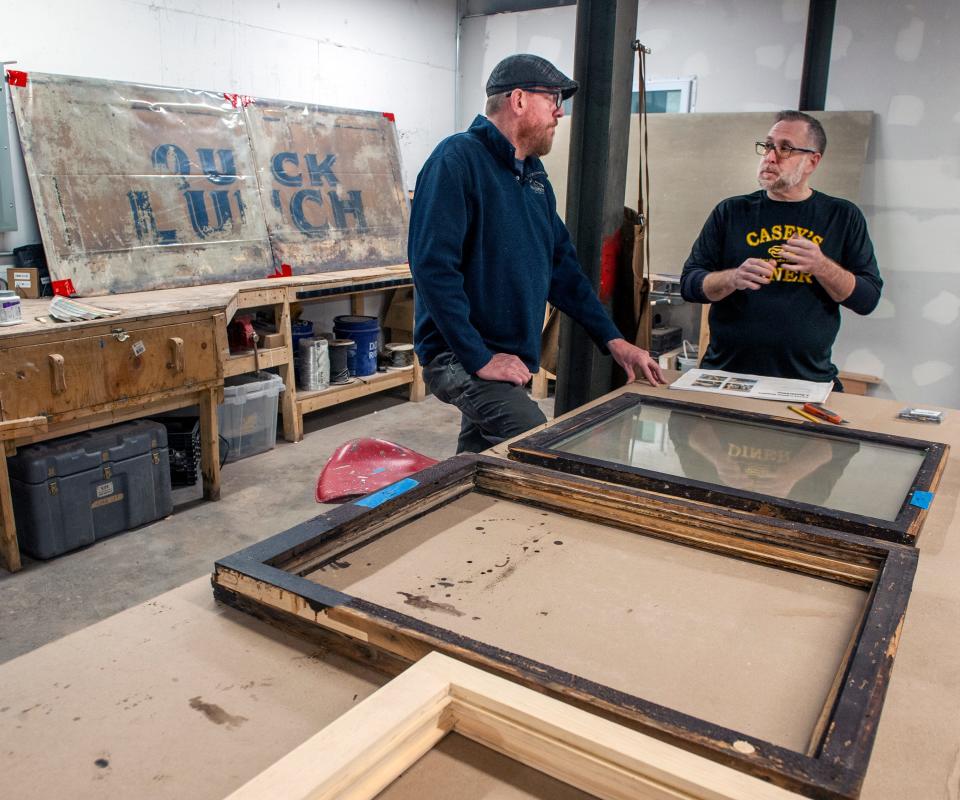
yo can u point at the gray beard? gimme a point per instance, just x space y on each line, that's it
783 182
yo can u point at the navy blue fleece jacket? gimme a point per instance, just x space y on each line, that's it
487 251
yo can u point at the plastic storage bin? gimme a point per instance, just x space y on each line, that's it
70 492
248 416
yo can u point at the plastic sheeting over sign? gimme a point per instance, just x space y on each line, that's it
331 185
144 187
140 187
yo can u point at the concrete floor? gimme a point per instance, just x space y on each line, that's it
261 495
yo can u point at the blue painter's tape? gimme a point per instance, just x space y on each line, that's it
394 490
921 499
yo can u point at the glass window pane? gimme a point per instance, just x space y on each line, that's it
659 101
859 477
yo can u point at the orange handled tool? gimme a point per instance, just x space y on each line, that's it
821 412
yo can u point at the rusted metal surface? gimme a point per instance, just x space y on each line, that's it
140 187
331 185
145 187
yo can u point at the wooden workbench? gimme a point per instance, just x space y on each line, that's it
181 698
61 378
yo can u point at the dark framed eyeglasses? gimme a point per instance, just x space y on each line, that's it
782 150
555 93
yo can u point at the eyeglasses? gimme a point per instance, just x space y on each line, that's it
782 150
556 95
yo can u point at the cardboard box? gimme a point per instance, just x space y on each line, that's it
668 360
25 281
399 316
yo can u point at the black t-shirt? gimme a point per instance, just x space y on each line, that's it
786 328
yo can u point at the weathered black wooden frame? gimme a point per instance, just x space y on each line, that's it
541 449
267 580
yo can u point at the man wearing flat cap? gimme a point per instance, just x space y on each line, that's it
488 252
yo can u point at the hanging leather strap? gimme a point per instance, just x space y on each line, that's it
643 194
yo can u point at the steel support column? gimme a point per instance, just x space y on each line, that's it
600 125
816 55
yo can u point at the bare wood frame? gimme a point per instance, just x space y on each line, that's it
541 448
360 753
267 580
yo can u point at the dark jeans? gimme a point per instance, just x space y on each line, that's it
491 410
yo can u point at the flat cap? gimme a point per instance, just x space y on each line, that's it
526 71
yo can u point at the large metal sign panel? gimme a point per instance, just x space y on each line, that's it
331 185
140 187
145 187
8 208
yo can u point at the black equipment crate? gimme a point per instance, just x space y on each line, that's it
663 339
183 444
70 492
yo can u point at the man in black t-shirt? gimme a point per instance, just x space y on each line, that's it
776 265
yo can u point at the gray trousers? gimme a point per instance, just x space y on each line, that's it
491 411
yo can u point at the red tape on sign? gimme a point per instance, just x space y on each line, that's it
237 100
64 288
16 78
285 271
390 116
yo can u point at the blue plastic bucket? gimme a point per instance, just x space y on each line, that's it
365 331
301 329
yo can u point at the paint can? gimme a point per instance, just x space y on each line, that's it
313 365
690 357
10 313
365 331
299 330
339 352
399 355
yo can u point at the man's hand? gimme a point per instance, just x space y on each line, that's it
802 255
505 367
635 361
752 274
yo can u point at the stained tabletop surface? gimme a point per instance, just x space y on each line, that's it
747 646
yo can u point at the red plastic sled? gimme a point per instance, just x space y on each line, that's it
362 466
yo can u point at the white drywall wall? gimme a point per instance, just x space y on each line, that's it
747 55
901 61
